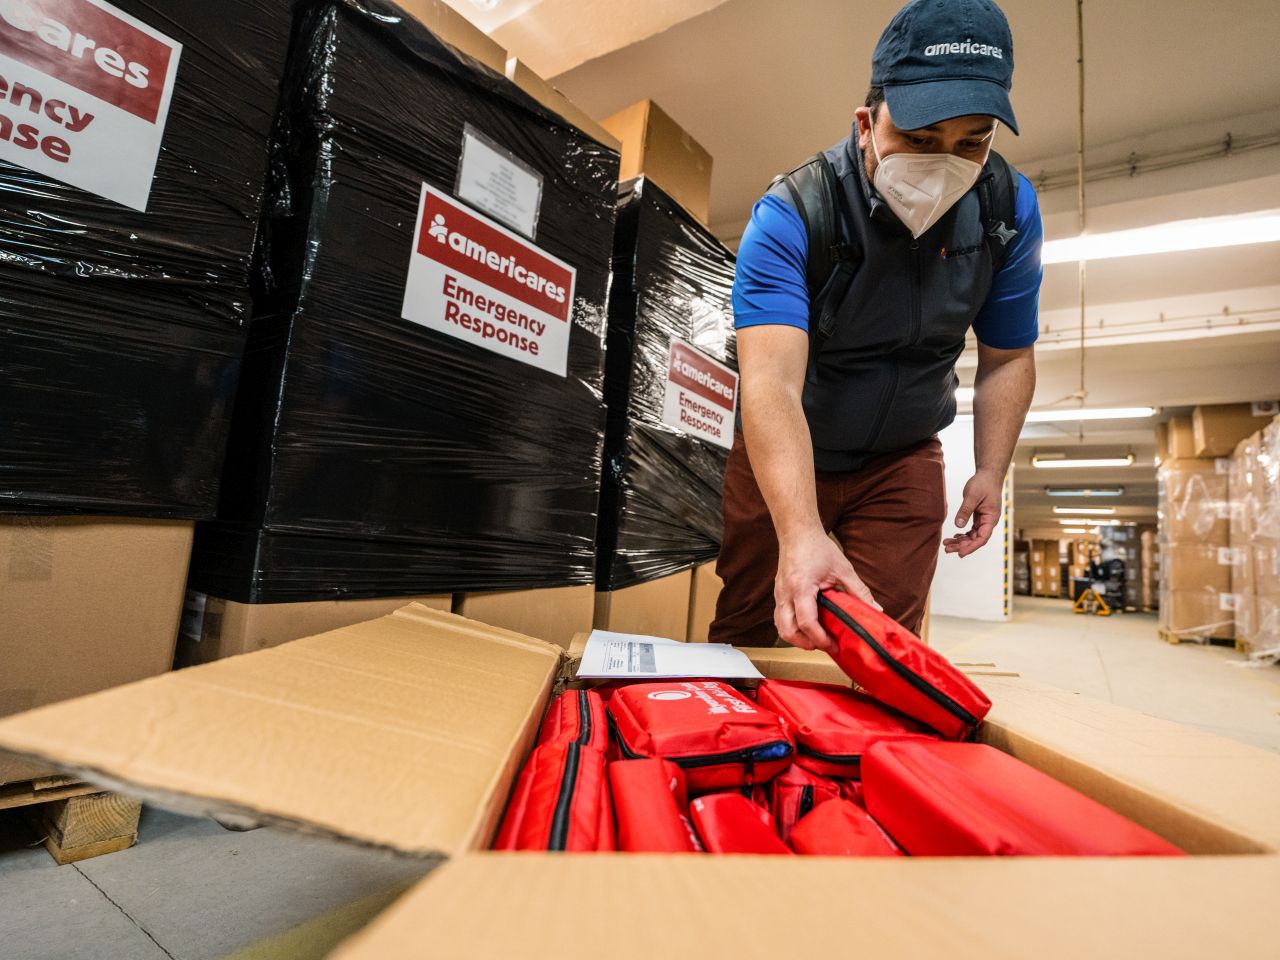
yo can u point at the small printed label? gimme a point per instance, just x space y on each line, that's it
475 280
1227 602
498 183
1265 408
630 656
84 94
1229 557
1222 465
192 626
701 397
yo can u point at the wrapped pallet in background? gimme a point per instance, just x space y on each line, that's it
671 388
421 409
1196 599
1255 541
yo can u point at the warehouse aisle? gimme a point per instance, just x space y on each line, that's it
1120 659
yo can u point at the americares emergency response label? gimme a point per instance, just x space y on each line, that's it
84 94
473 279
701 397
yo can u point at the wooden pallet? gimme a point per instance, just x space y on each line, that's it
77 820
1174 638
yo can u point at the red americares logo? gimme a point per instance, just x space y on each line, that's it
95 49
459 240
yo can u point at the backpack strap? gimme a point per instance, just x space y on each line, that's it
833 260
997 204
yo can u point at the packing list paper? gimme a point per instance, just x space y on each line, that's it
635 656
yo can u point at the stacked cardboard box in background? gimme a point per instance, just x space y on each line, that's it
1046 568
1149 576
1125 543
124 301
1255 540
1022 568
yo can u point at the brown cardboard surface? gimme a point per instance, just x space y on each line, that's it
1195 505
457 31
553 614
1162 443
1182 440
86 603
1197 614
655 146
1265 565
1217 429
1198 566
519 73
659 608
400 732
703 594
490 906
226 628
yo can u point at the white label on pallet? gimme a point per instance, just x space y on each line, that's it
1228 601
499 183
701 397
1265 408
84 94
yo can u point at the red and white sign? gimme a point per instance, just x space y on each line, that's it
84 94
701 396
475 280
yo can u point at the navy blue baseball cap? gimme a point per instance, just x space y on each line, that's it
940 59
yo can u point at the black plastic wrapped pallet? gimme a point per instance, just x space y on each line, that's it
124 294
442 464
660 498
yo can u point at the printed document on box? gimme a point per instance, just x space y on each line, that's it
638 657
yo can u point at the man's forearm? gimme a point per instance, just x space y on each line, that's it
1002 396
781 453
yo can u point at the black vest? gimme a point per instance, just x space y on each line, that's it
885 379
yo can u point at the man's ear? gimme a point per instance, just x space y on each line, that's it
863 117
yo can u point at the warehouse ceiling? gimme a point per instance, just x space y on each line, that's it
764 83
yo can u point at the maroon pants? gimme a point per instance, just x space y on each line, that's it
887 516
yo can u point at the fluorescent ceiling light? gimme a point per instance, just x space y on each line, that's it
1046 462
1085 511
1092 523
1084 491
1097 413
964 394
1076 530
1199 234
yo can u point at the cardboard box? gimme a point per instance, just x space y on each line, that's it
457 31
1182 440
213 628
703 594
1265 567
518 72
659 608
553 614
1162 443
86 603
1198 614
654 145
1193 566
464 702
1217 429
1194 502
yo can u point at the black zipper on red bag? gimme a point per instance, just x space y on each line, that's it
748 755
584 718
806 801
846 759
917 681
564 802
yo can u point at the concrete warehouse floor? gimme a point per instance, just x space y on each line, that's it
191 890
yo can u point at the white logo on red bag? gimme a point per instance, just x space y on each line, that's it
670 695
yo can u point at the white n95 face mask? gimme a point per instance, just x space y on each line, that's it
920 187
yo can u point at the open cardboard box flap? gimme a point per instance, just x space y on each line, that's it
345 732
407 731
492 906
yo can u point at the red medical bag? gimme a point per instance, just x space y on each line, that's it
796 791
576 716
719 738
833 725
730 823
650 806
893 666
841 828
561 802
969 799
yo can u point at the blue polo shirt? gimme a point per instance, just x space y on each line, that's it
769 284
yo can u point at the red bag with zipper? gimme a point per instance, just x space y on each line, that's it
796 791
650 807
969 799
730 823
833 725
891 664
841 828
576 716
561 802
716 736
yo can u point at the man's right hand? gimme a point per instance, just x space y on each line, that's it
807 564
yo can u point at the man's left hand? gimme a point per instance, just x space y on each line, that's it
982 504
